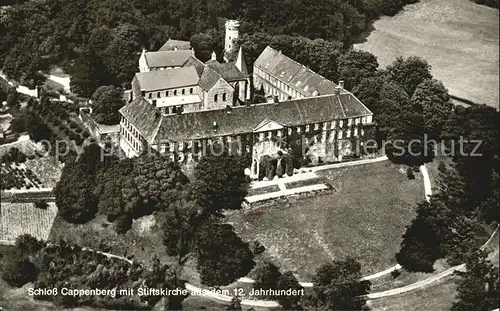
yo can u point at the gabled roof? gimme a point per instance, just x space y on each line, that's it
296 75
208 78
167 58
228 71
143 116
196 63
167 79
172 44
198 125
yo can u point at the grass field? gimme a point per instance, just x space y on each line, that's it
459 38
439 297
365 218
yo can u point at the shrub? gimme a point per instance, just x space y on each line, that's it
42 204
409 173
395 273
280 167
257 248
123 223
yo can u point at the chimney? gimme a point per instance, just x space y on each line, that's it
215 126
214 56
341 84
279 52
175 48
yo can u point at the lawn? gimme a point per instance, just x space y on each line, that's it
439 297
459 38
364 217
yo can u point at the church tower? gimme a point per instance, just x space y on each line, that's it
232 33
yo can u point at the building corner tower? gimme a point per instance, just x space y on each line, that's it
232 32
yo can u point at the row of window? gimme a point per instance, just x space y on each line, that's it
278 84
133 139
171 93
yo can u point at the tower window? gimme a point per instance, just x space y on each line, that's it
215 98
191 91
183 91
167 93
175 93
158 95
224 97
150 95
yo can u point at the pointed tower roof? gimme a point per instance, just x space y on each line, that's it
240 62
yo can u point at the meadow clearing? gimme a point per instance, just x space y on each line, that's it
459 38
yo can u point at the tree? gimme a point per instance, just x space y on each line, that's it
337 286
222 256
13 99
16 266
116 190
354 66
18 271
409 73
74 192
179 225
106 101
401 125
368 92
267 276
86 74
220 182
433 99
288 281
159 181
479 288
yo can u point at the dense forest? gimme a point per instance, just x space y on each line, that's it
98 42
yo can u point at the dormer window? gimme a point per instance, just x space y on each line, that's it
183 91
224 97
191 91
167 93
216 97
150 95
175 92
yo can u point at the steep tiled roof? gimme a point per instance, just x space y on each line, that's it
227 70
240 120
167 58
171 44
296 75
196 63
143 116
208 78
167 79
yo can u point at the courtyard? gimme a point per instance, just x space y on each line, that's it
364 217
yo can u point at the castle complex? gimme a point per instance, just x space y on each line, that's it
179 105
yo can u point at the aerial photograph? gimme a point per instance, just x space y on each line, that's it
249 155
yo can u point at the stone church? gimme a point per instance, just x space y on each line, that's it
179 105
